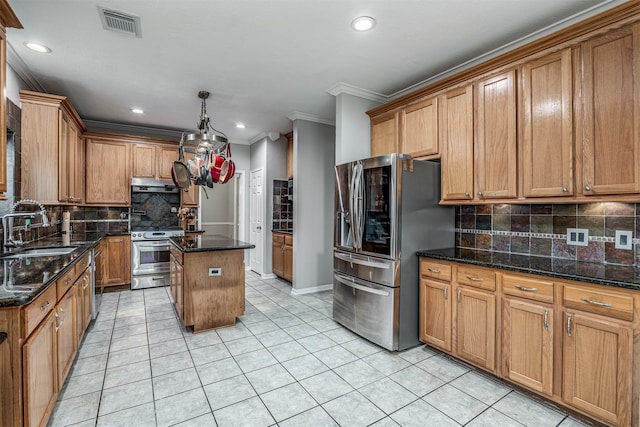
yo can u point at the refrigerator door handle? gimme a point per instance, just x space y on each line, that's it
362 261
352 284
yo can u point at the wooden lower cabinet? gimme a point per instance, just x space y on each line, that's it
597 366
40 373
575 344
475 320
117 261
282 256
435 324
527 344
176 284
66 335
84 302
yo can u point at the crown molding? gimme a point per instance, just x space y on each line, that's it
272 135
346 88
297 115
22 70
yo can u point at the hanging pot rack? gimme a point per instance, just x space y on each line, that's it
205 139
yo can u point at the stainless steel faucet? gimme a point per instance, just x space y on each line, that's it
7 222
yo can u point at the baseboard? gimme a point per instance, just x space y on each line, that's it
312 290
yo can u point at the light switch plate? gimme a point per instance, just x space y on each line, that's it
578 236
624 239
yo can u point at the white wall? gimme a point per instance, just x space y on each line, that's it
313 188
14 84
353 130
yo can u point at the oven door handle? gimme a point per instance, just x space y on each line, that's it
158 278
154 245
366 263
352 284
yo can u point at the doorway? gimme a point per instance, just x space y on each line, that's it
223 212
256 214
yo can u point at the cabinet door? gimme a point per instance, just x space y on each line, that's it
85 300
384 135
117 260
176 281
64 153
66 335
611 128
456 143
527 344
40 380
547 121
277 250
288 262
435 313
190 198
107 159
476 327
419 136
496 162
3 111
166 157
597 366
143 161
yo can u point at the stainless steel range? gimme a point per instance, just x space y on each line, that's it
150 255
153 221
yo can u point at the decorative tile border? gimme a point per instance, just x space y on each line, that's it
537 235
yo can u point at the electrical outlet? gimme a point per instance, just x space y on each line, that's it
624 239
215 271
578 236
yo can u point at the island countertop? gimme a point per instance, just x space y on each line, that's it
208 243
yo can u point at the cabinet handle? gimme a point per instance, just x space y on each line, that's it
475 279
525 289
3 337
569 324
55 313
601 304
588 188
466 194
564 189
546 320
479 193
459 296
446 298
44 306
434 270
64 316
85 279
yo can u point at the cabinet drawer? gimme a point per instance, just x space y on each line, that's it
603 302
476 277
64 283
288 239
527 287
83 263
435 270
278 238
36 310
177 254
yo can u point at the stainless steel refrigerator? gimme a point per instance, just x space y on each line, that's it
386 209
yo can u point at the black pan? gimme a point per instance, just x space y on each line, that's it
180 174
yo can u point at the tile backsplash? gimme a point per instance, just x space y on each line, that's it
541 230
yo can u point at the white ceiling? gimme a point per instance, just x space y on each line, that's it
260 59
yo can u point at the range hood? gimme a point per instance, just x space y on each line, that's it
150 185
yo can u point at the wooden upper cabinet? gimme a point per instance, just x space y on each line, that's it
419 128
547 126
611 113
52 148
107 158
152 161
456 143
496 143
384 134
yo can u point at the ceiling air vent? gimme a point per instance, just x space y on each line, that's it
121 22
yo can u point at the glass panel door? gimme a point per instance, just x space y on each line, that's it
378 199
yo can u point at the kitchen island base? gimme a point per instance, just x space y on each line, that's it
207 286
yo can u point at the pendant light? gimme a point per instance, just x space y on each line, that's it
206 138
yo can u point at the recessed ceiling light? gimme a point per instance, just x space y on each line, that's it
363 23
37 47
137 110
240 125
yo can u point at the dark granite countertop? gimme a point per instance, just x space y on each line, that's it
208 243
600 274
25 278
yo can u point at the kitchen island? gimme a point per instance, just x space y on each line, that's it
207 280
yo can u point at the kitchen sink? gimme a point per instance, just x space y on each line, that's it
37 252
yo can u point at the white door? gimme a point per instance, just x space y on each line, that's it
256 215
